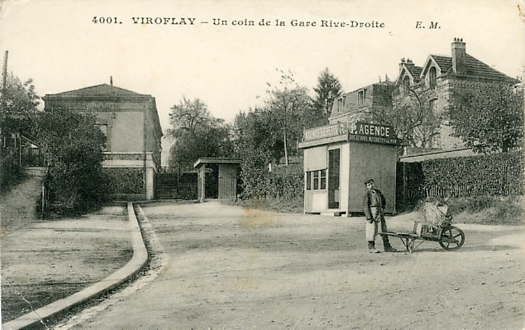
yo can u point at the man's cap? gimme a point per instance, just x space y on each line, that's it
369 181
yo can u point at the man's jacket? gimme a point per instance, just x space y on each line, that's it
373 198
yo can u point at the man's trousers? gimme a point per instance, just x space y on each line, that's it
372 228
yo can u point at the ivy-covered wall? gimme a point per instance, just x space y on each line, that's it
498 174
125 181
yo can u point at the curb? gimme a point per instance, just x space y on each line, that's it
140 257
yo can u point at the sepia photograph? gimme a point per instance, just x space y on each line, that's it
228 164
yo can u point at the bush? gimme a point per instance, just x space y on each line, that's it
72 146
10 174
281 189
499 174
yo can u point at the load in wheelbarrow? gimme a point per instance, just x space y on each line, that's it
436 227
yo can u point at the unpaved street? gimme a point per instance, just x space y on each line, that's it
231 268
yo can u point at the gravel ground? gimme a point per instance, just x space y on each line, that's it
233 268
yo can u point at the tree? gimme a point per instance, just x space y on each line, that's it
18 107
73 148
415 118
18 104
488 118
255 144
328 89
188 116
196 133
412 115
289 111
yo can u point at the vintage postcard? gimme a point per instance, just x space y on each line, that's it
227 164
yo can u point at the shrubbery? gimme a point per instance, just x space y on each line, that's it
281 189
11 173
498 174
72 146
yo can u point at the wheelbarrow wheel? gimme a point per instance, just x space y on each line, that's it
452 238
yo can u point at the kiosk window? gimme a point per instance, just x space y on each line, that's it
316 180
308 180
323 179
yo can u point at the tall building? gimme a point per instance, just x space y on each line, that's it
131 124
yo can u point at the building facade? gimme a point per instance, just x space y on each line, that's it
131 124
433 84
362 103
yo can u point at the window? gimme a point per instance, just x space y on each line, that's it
316 180
308 180
432 77
406 84
361 96
323 179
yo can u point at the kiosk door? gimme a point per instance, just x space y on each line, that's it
334 157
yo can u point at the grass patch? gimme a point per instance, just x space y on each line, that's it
488 210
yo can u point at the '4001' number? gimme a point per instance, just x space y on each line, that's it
106 20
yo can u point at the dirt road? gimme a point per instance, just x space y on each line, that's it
231 268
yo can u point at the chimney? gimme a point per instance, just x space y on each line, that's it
459 56
111 80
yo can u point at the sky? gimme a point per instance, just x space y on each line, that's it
228 66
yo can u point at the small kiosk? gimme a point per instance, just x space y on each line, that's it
338 158
217 178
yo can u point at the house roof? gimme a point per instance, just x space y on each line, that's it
216 160
437 154
98 90
414 70
475 67
444 62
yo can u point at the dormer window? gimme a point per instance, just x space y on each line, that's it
361 96
406 84
432 78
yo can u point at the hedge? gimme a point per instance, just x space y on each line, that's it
498 174
283 183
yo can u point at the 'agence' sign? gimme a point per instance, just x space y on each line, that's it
373 130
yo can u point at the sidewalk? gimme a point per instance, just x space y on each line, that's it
52 265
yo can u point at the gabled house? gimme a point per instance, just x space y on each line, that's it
131 124
434 83
441 76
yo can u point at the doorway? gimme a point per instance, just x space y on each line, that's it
334 157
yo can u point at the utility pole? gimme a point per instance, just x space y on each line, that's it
2 109
4 81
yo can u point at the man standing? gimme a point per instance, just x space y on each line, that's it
374 203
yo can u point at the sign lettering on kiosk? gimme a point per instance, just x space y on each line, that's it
359 132
322 132
374 130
